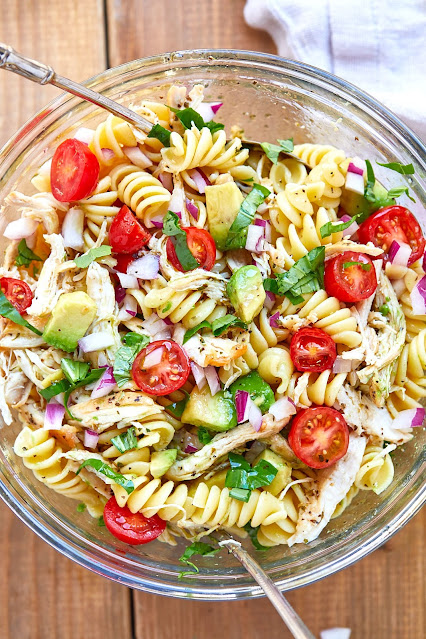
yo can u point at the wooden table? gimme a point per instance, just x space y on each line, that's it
42 594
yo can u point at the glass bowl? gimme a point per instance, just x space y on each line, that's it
270 98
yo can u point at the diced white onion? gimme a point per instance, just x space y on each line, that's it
85 135
127 281
72 229
128 309
95 342
108 154
19 229
177 200
153 358
198 372
282 408
154 325
355 183
145 268
164 334
137 157
254 414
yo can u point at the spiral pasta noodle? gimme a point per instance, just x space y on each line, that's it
377 471
112 135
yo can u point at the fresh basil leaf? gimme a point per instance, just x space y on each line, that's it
191 331
54 389
273 151
196 548
241 494
125 441
335 227
177 408
125 356
135 340
221 324
81 508
160 133
252 532
73 370
93 376
25 255
188 117
238 231
204 436
101 521
287 145
172 228
400 190
238 461
403 169
238 478
365 267
214 126
263 474
371 181
83 261
109 472
305 276
8 310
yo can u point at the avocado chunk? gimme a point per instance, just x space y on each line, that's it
283 476
246 292
223 202
354 203
260 392
215 412
71 317
161 461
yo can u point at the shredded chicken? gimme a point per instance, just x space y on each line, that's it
208 350
101 290
331 487
213 284
40 207
349 245
280 445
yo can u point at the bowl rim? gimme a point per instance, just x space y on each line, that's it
412 143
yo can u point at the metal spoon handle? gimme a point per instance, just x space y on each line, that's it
280 603
11 60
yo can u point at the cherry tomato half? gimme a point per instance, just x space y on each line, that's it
319 436
200 243
132 528
312 350
350 276
393 223
126 235
17 292
161 368
74 173
123 262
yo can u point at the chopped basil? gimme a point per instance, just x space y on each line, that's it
384 309
25 255
54 389
160 133
204 436
196 548
273 150
81 508
188 117
365 267
237 234
172 228
335 227
65 386
125 356
92 254
400 190
8 310
73 370
403 169
218 326
125 441
252 532
242 478
371 181
305 276
101 521
104 469
177 408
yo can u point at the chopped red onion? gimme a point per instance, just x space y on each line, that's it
254 235
198 372
120 294
107 154
409 419
95 342
208 110
165 334
192 209
190 449
399 253
269 300
191 443
105 384
203 175
167 321
127 280
283 408
136 156
354 182
177 200
199 179
84 135
212 379
355 169
268 232
54 415
342 365
146 267
72 229
153 325
260 222
335 633
424 261
90 439
273 320
254 414
241 400
166 180
178 334
129 309
19 229
418 297
153 358
352 229
157 222
215 106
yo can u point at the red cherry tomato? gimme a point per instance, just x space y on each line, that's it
160 372
123 262
17 292
350 282
132 528
126 235
319 436
312 350
200 243
74 173
393 223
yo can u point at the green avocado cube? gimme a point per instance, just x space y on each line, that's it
223 203
71 317
246 292
215 412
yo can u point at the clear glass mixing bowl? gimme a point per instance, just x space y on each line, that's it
269 98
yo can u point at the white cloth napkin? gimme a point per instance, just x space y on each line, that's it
378 45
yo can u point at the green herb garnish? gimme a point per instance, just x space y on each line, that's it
125 441
371 181
104 469
160 133
273 150
65 386
177 408
81 508
403 169
384 309
335 227
172 228
188 117
83 261
217 327
305 276
400 190
73 370
237 234
25 255
101 521
204 436
253 536
125 356
196 548
365 267
242 478
8 310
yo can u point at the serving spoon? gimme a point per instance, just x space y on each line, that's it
11 60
